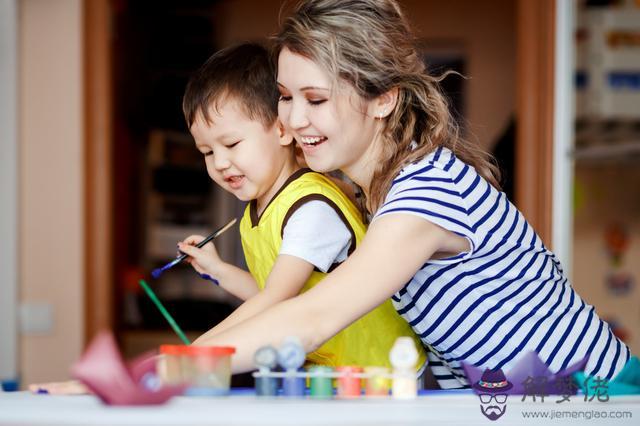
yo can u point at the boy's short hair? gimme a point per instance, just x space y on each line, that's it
244 73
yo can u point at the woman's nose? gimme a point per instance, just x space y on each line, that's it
297 116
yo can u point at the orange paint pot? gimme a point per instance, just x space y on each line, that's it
378 383
205 370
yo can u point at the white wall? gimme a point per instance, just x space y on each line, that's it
8 190
487 30
51 182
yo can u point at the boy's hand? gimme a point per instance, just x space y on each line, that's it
71 387
204 260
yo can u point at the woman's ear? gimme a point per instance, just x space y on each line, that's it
385 103
285 138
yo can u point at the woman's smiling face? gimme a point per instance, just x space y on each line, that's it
334 126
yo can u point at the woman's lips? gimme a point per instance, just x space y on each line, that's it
310 144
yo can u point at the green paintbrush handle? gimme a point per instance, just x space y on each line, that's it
165 313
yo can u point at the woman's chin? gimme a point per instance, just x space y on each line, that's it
318 165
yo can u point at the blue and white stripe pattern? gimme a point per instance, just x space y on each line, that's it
503 298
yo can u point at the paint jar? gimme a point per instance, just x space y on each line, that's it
378 383
349 383
266 359
321 382
204 370
403 357
168 365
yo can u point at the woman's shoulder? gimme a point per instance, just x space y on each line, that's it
440 165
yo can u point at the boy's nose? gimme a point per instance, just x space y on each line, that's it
221 162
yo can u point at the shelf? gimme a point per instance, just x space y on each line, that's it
620 151
608 59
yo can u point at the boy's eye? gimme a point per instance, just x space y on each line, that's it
233 144
284 98
206 154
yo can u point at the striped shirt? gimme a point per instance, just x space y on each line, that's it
505 297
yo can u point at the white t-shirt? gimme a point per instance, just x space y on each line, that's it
315 233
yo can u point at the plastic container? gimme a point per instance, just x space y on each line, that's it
205 370
349 384
321 382
378 383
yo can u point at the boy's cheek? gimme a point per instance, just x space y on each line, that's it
216 177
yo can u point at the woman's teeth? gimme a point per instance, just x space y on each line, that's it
312 140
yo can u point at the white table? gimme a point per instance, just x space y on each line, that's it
437 407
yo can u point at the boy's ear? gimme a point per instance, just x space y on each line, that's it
285 138
385 103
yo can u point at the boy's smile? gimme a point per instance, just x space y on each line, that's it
235 181
242 156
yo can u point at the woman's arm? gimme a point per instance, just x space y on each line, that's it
288 276
394 248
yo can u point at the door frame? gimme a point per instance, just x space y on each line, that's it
9 191
535 112
98 107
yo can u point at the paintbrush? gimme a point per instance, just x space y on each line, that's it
164 312
157 272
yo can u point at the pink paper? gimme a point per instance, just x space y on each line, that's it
102 370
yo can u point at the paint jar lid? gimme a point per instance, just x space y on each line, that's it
197 350
349 369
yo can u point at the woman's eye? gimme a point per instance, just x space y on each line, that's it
316 102
233 144
284 98
206 154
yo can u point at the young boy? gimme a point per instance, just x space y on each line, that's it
298 224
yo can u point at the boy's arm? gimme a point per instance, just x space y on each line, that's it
208 264
235 280
373 273
314 236
287 277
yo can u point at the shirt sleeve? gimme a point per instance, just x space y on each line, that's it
432 195
315 233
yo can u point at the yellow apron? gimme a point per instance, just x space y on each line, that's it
367 341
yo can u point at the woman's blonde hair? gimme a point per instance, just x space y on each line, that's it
369 44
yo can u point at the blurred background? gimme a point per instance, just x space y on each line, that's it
99 177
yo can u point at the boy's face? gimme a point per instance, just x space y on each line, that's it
241 155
